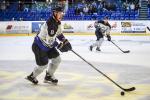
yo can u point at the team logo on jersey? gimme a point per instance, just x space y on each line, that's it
52 32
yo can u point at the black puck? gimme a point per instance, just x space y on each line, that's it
122 93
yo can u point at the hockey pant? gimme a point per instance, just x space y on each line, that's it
98 43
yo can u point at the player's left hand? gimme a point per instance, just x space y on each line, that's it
108 37
65 46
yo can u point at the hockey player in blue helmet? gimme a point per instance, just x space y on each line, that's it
58 12
102 28
45 47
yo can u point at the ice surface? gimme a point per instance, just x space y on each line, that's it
77 80
19 48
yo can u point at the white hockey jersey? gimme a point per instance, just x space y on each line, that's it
49 32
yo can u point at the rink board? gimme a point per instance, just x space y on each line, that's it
114 34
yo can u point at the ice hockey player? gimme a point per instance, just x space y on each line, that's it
46 46
102 29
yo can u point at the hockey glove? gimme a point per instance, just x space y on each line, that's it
64 46
108 37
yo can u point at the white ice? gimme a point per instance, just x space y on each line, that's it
77 81
19 48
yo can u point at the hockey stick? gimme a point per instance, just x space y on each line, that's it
126 90
120 48
148 28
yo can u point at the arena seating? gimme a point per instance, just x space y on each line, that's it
35 14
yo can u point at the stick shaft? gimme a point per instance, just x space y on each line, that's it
117 46
98 70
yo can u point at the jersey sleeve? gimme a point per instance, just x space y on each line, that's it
109 25
108 30
96 24
60 35
43 32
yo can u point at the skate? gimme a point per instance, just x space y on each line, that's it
91 47
98 49
50 79
32 79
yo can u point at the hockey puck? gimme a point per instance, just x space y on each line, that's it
122 93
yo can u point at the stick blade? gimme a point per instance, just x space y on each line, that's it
130 89
126 51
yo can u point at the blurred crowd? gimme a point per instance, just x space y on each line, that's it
95 7
84 6
80 7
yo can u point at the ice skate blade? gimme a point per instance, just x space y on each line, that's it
49 82
98 51
31 81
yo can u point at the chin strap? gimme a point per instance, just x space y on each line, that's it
55 16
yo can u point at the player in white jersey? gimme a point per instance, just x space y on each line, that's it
46 45
102 29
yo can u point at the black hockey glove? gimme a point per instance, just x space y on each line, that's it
65 46
108 37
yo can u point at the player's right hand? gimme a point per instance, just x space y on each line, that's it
65 46
108 37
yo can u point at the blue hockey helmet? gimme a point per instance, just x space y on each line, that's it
58 9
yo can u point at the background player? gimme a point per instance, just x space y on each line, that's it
45 47
102 28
